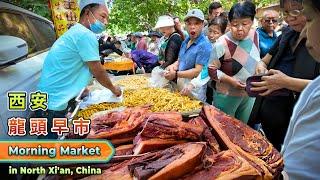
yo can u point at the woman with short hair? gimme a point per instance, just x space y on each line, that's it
236 56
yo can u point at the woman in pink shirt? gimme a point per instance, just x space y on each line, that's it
141 41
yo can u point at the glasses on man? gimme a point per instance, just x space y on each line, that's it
271 21
292 13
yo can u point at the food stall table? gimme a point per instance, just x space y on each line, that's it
123 65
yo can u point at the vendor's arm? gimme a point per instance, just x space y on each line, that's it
88 51
101 76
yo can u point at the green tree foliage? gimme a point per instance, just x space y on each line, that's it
39 7
141 15
138 15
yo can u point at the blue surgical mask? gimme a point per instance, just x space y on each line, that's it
97 27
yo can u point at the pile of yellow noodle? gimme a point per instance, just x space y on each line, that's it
133 82
160 99
90 110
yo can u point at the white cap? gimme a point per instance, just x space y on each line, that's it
164 21
84 3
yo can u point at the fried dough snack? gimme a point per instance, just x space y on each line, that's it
160 99
133 82
90 110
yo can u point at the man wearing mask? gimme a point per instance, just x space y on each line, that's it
193 56
72 61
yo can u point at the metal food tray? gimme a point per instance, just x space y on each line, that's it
70 116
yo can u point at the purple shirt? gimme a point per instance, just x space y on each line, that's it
144 58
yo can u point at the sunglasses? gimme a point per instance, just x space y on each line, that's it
292 13
270 20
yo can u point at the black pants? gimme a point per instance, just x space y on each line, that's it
49 114
275 114
210 91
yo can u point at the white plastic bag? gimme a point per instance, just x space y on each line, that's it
196 93
157 78
100 96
